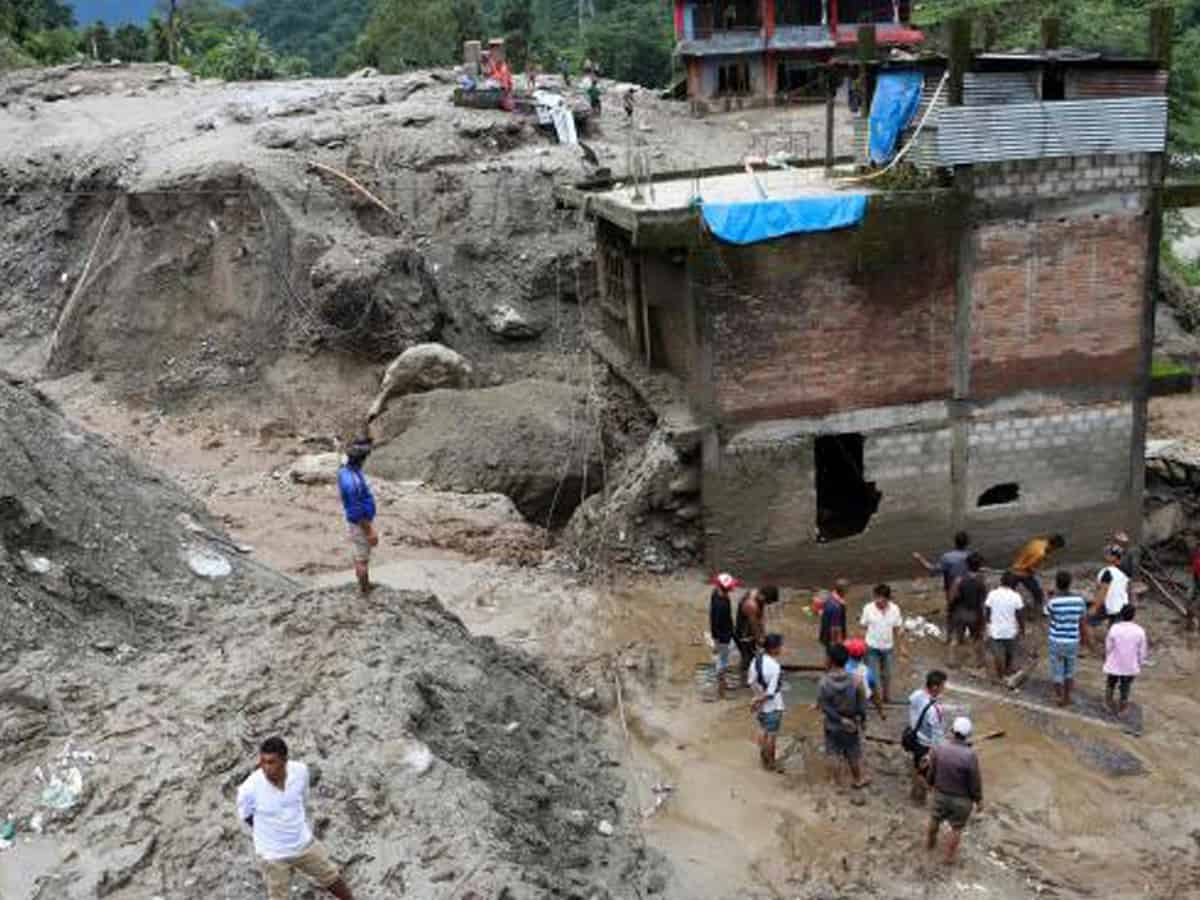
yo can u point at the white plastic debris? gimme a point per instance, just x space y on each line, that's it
418 757
208 564
919 627
63 792
511 727
38 565
605 827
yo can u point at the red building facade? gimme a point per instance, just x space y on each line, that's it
753 52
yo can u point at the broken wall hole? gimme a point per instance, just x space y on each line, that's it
1000 495
846 501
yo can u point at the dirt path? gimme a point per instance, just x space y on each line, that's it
1060 820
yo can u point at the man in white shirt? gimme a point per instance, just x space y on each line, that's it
766 679
1005 624
1113 595
271 801
881 618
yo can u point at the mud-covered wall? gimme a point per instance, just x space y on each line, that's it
974 340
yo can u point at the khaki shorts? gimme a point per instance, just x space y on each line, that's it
359 545
314 863
953 809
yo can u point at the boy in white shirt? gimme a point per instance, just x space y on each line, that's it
766 678
271 801
1113 594
1005 624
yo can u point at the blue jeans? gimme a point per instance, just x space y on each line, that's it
1062 661
770 721
721 657
880 664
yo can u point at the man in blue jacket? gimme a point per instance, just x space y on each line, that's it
359 504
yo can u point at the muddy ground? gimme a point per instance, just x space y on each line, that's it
1076 806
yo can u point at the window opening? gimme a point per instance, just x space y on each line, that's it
846 501
1000 494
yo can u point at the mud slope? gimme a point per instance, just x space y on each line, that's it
156 685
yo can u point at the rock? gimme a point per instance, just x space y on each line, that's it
418 757
530 440
208 563
356 99
376 297
316 468
506 321
327 134
206 123
75 90
367 72
682 543
605 828
425 367
1163 523
276 137
288 108
242 113
688 513
686 483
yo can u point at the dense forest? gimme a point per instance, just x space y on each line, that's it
631 39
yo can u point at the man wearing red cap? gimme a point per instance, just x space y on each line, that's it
720 624
858 668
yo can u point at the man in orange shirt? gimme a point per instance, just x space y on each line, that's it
1031 558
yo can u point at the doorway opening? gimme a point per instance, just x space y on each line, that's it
1000 494
845 500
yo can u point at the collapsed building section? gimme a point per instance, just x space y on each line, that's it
874 369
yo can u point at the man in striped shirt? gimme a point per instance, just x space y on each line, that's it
1068 626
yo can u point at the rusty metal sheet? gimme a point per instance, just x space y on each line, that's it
1096 84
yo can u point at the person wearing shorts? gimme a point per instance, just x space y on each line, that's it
843 702
358 503
927 718
953 773
1068 626
271 801
766 680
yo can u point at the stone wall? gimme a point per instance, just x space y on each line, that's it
1064 176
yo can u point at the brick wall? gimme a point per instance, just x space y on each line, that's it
1056 302
811 324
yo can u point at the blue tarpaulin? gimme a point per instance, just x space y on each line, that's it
897 98
761 220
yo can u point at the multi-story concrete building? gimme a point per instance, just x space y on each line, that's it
753 52
971 354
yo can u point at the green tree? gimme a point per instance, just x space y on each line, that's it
242 56
516 24
633 40
130 43
96 41
405 34
52 46
321 31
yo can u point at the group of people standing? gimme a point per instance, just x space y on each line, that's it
1001 614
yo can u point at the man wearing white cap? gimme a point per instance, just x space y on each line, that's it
957 786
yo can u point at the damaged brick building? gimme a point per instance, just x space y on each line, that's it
972 353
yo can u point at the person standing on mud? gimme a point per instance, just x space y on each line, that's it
951 565
1029 560
1068 627
1126 649
881 617
843 702
720 625
359 505
1006 625
271 801
833 615
766 679
1113 594
957 787
926 728
965 605
750 629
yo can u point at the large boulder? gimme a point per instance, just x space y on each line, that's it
425 367
533 441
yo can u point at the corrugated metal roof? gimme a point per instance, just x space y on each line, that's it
1095 84
976 134
994 88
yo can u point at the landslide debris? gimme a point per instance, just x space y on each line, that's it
441 759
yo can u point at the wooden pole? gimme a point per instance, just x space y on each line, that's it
1051 32
830 100
1162 22
960 56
